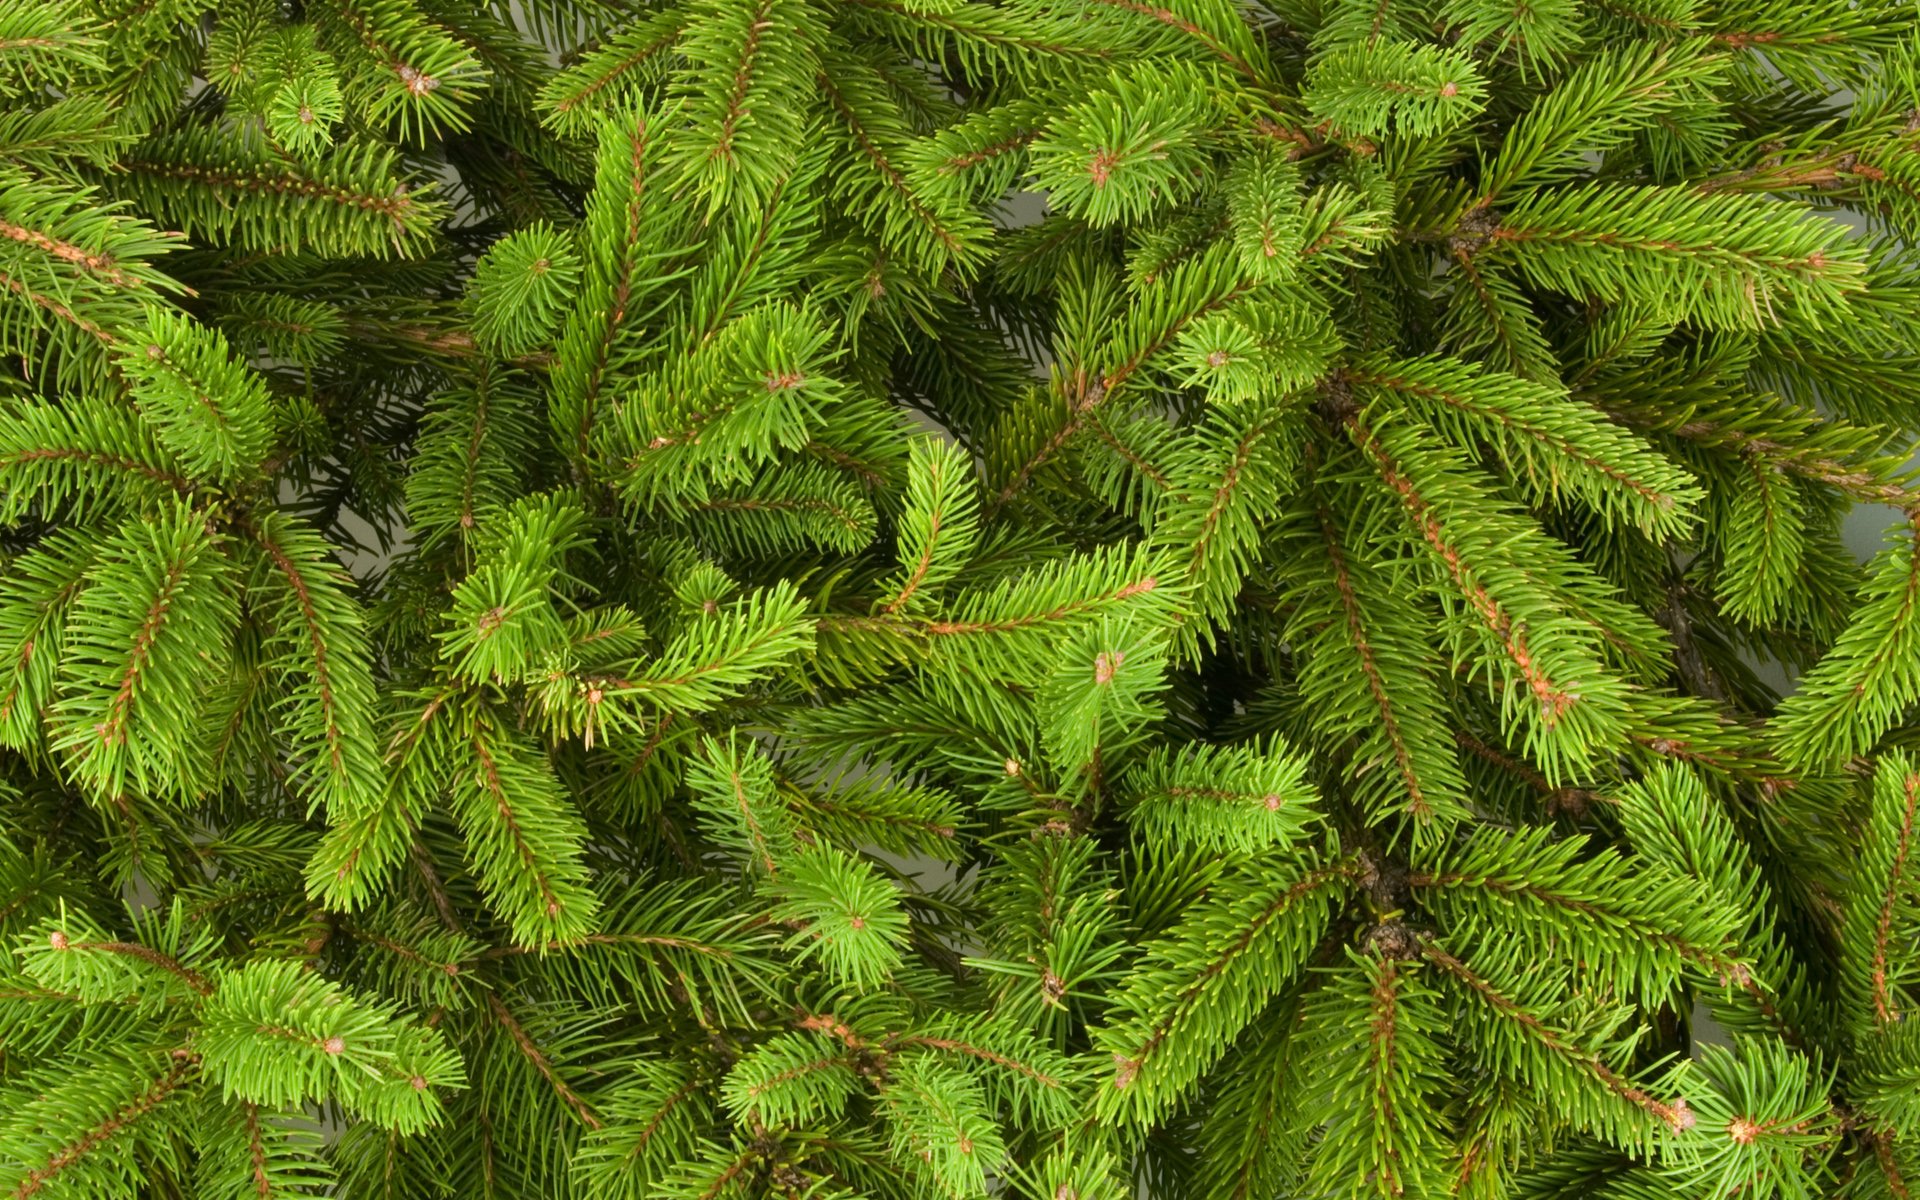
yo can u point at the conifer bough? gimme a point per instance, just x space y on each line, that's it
586 611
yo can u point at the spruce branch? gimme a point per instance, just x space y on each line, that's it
1622 1111
1569 703
1544 437
1351 637
588 92
525 840
135 667
1633 244
317 627
1857 691
1208 979
106 1135
1381 1025
348 202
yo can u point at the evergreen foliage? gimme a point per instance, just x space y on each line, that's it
587 610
